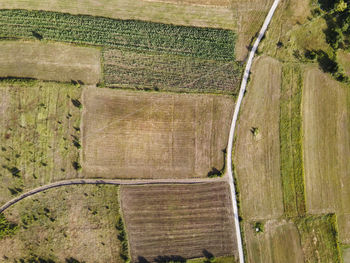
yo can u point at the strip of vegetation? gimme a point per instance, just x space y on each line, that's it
292 171
166 72
122 236
6 228
133 35
319 238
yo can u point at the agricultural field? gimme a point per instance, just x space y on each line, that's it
327 147
257 147
130 134
292 171
179 12
64 225
146 71
208 43
39 134
183 221
50 61
279 241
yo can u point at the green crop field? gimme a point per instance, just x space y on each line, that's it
291 141
148 71
127 34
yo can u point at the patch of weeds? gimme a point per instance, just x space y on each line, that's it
6 228
258 227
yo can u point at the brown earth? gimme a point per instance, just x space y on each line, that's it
181 220
130 134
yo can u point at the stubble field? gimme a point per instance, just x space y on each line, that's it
128 134
326 147
186 221
257 154
49 61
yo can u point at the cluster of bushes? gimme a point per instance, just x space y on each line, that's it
6 228
124 252
128 34
337 16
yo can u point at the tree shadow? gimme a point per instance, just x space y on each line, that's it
215 172
172 258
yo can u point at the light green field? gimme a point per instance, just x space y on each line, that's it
291 141
39 134
65 224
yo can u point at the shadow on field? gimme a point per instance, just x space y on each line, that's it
176 259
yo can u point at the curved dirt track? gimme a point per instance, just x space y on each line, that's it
233 126
105 181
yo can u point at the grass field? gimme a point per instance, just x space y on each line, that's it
291 141
172 11
39 134
130 134
346 254
169 73
133 35
257 148
71 222
186 221
326 123
279 242
49 61
319 238
344 60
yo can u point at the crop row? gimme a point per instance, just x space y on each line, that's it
168 72
133 35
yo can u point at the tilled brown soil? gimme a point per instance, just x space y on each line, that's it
178 221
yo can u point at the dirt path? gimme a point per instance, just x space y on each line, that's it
233 126
104 181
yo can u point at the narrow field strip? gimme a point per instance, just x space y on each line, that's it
127 34
292 170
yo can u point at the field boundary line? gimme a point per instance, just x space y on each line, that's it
233 127
107 181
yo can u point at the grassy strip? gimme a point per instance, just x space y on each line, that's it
127 34
165 72
291 141
319 238
124 252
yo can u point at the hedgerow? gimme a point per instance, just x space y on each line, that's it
133 35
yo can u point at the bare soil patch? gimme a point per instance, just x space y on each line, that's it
183 220
130 134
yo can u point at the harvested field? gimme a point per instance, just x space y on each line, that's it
257 147
128 134
346 254
170 73
279 242
174 12
292 171
141 36
39 134
183 220
249 16
326 128
71 222
49 61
